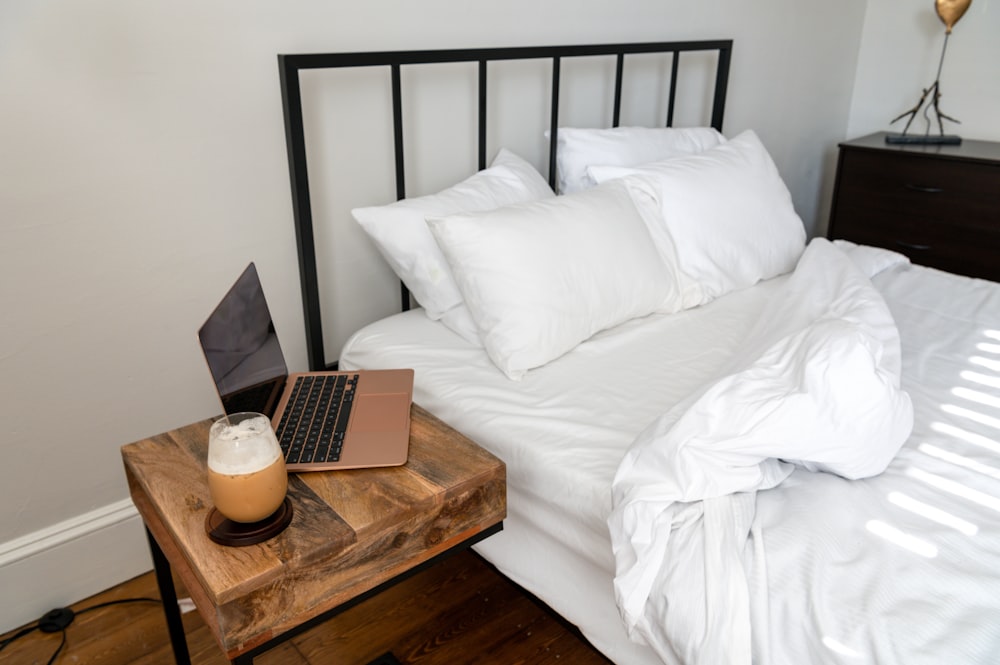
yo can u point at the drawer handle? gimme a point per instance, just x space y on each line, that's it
912 245
923 188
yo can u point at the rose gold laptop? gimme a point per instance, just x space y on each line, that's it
323 420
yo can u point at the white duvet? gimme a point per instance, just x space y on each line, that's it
815 383
899 569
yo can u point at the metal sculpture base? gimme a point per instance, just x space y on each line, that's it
925 139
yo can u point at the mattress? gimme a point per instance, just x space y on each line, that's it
900 568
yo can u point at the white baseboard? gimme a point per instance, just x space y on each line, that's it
67 562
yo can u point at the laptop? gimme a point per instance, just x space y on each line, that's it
323 420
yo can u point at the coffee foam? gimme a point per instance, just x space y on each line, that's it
247 447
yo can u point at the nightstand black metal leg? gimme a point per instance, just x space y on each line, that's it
168 596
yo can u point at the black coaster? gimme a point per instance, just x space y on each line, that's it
224 531
385 659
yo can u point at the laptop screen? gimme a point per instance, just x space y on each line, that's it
242 351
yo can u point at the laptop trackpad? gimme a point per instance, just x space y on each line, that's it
380 413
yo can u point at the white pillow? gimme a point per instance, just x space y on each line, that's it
460 322
727 218
576 149
399 230
539 278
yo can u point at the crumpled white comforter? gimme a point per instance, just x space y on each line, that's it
815 384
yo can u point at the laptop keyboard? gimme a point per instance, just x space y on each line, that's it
321 405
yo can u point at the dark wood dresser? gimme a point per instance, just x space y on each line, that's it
938 204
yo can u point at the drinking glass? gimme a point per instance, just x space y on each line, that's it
246 470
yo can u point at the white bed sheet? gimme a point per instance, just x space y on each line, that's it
871 581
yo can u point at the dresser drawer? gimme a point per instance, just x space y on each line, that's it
939 206
952 192
953 247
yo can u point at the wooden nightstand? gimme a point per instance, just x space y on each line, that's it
353 532
938 204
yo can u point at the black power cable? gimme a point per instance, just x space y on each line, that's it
59 619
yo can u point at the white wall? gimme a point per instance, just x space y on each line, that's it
142 165
899 57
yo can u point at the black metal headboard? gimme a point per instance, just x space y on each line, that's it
291 65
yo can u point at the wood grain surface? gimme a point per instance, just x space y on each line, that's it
352 530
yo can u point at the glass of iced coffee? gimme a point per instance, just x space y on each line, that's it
246 470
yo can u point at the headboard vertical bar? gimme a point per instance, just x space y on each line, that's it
672 97
404 297
554 123
397 133
721 83
482 114
619 71
295 141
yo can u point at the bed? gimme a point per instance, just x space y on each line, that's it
725 442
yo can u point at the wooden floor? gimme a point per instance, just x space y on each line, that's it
458 611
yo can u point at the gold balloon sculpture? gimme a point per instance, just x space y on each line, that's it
949 11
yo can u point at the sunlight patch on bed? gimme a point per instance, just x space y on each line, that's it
957 489
959 460
975 439
981 379
988 363
988 347
992 334
945 518
977 396
962 412
904 540
840 649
